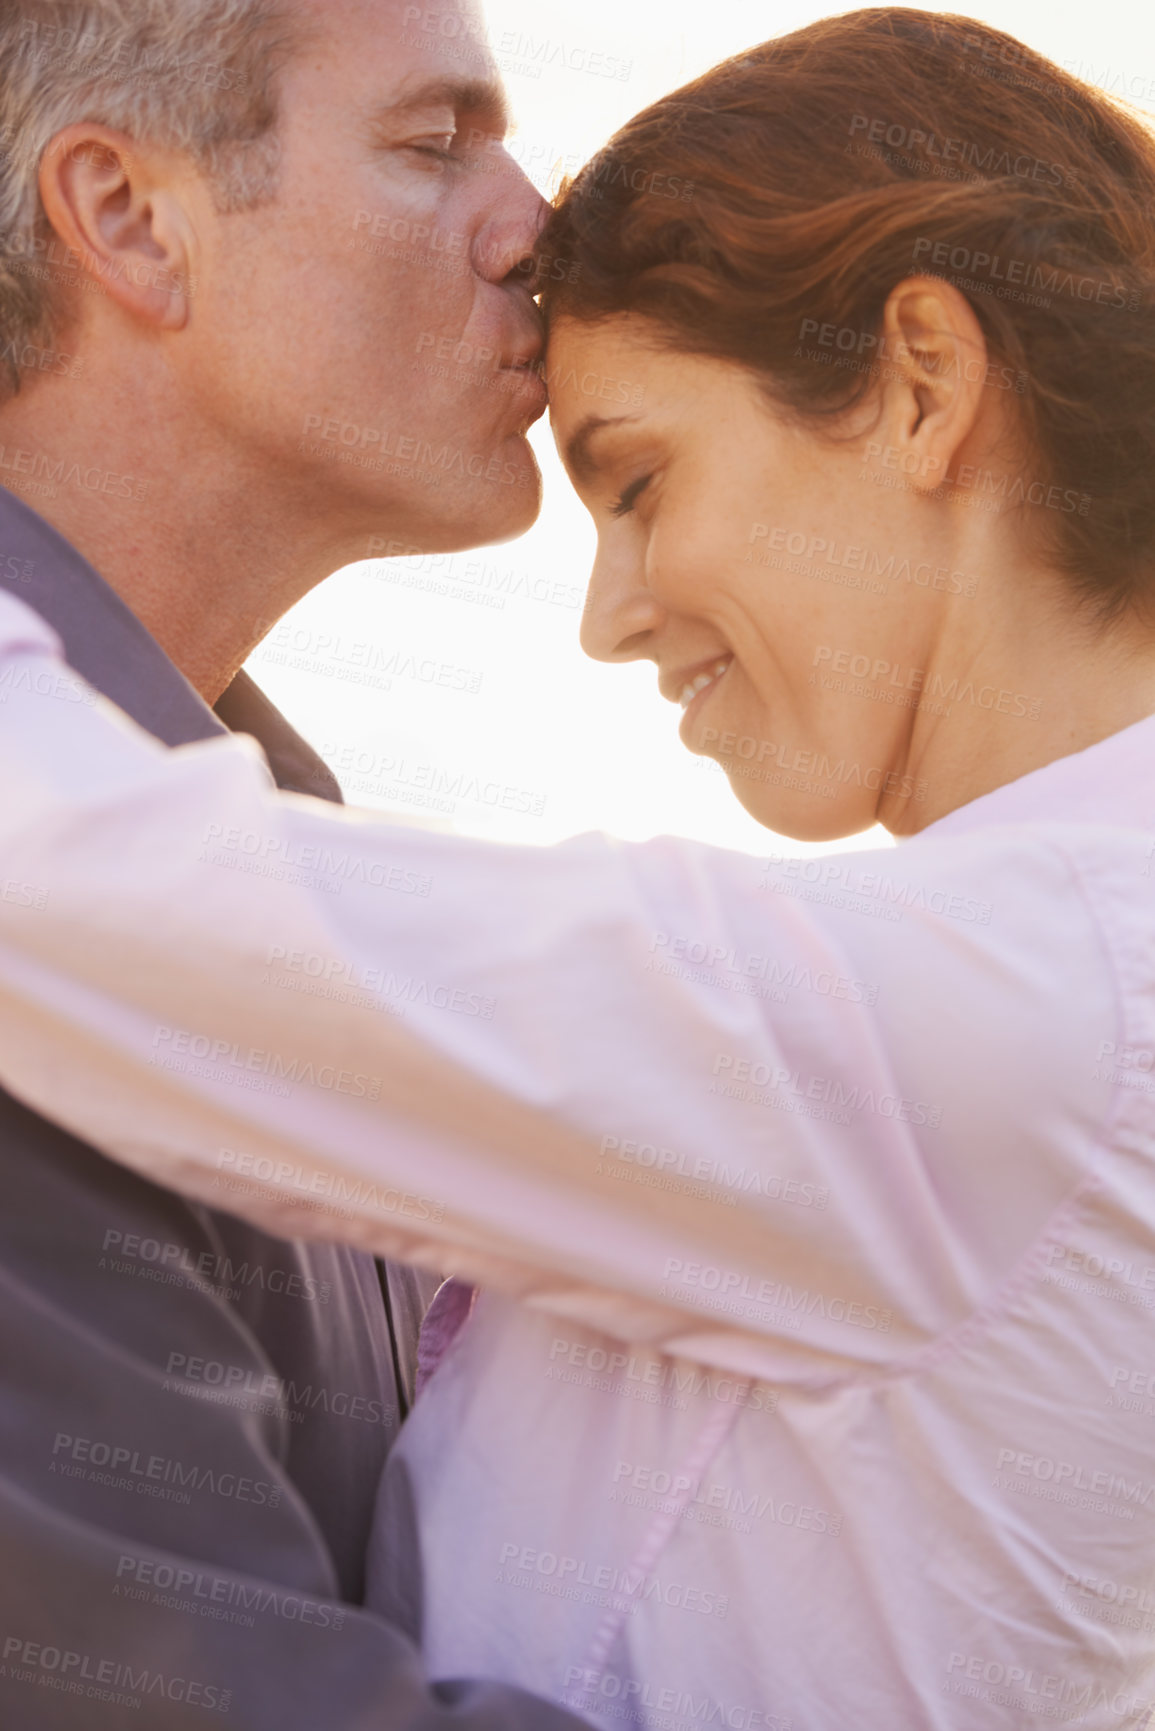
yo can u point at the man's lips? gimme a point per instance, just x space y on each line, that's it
527 386
524 350
523 370
524 346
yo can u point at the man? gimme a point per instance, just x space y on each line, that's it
227 230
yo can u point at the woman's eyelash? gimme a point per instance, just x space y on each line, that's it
625 504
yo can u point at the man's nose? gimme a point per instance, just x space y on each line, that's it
503 245
621 617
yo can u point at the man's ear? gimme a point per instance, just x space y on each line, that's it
935 363
118 210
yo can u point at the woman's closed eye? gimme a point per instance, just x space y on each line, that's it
632 493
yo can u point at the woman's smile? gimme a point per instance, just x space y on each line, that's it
696 694
700 681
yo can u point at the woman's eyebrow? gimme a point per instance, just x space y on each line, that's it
577 456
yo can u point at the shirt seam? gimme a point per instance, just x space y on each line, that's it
1030 1265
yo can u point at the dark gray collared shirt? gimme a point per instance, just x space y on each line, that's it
193 1415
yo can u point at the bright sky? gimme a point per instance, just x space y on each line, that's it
522 709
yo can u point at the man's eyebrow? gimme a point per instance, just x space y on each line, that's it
577 455
482 98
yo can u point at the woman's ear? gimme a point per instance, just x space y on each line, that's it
117 208
935 364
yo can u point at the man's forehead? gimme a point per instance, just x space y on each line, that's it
449 19
421 55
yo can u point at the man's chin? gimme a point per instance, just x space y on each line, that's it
457 532
521 516
501 510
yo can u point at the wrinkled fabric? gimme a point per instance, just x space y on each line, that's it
813 1201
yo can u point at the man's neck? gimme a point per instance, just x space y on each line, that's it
206 558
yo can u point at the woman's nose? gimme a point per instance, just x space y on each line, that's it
621 617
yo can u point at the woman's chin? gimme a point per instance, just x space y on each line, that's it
800 816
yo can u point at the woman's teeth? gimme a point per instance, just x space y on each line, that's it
689 692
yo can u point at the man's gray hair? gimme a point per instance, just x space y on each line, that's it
193 75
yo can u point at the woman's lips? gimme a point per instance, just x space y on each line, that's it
708 676
698 691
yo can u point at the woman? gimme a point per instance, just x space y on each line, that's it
813 1200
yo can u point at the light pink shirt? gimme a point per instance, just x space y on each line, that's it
814 1200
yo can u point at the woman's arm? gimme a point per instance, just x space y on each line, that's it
492 1060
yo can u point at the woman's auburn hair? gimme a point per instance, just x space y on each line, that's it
763 213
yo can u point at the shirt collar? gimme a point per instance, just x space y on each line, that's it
1111 783
108 646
